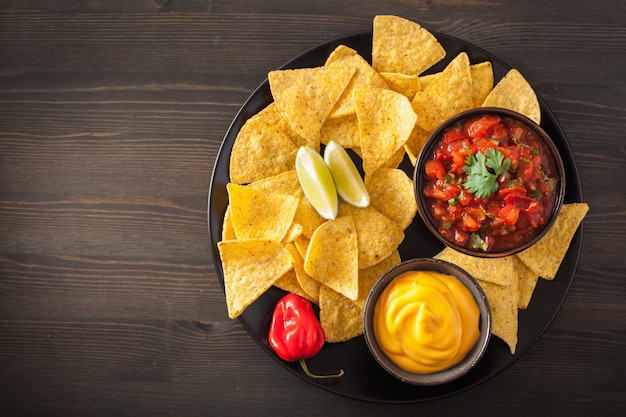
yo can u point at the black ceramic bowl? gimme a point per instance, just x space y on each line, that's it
549 153
452 373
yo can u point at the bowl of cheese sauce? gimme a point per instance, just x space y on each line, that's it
427 321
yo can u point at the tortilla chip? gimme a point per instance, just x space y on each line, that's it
482 82
407 85
250 268
504 312
256 214
228 232
332 256
286 183
496 270
306 96
344 130
377 236
274 119
527 283
270 149
386 119
415 143
446 94
402 46
369 276
364 77
289 282
513 92
341 319
392 194
545 256
310 286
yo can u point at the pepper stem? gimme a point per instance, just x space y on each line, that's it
306 371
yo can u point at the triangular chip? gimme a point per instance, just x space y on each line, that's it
306 96
332 256
369 276
446 94
309 285
289 282
377 236
482 82
392 194
513 92
407 85
341 319
257 214
343 129
270 149
545 256
364 77
274 119
496 270
527 283
386 120
285 183
415 143
402 46
504 311
250 268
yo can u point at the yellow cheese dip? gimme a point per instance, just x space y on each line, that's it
426 321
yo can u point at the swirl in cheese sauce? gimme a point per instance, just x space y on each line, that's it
426 321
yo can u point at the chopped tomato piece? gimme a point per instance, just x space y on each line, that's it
509 214
435 170
481 127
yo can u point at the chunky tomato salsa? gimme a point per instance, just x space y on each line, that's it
490 183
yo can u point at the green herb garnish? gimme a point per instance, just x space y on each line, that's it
483 169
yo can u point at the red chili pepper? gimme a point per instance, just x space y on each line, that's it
296 333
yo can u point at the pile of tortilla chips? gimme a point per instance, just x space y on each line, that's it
382 112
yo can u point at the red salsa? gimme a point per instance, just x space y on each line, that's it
490 183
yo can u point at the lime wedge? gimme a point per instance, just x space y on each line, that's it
347 178
317 182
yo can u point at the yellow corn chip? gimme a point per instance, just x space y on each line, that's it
513 92
377 236
259 151
386 119
306 96
343 129
309 285
446 94
228 233
284 183
289 282
256 214
496 270
482 82
364 77
504 312
545 256
274 120
407 85
341 319
402 46
369 276
415 143
392 194
250 268
332 256
527 282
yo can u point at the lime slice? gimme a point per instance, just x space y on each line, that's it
317 182
347 178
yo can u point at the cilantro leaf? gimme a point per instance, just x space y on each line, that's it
480 181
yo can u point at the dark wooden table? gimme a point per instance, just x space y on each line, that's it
111 117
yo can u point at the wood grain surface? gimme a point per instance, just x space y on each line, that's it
111 117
